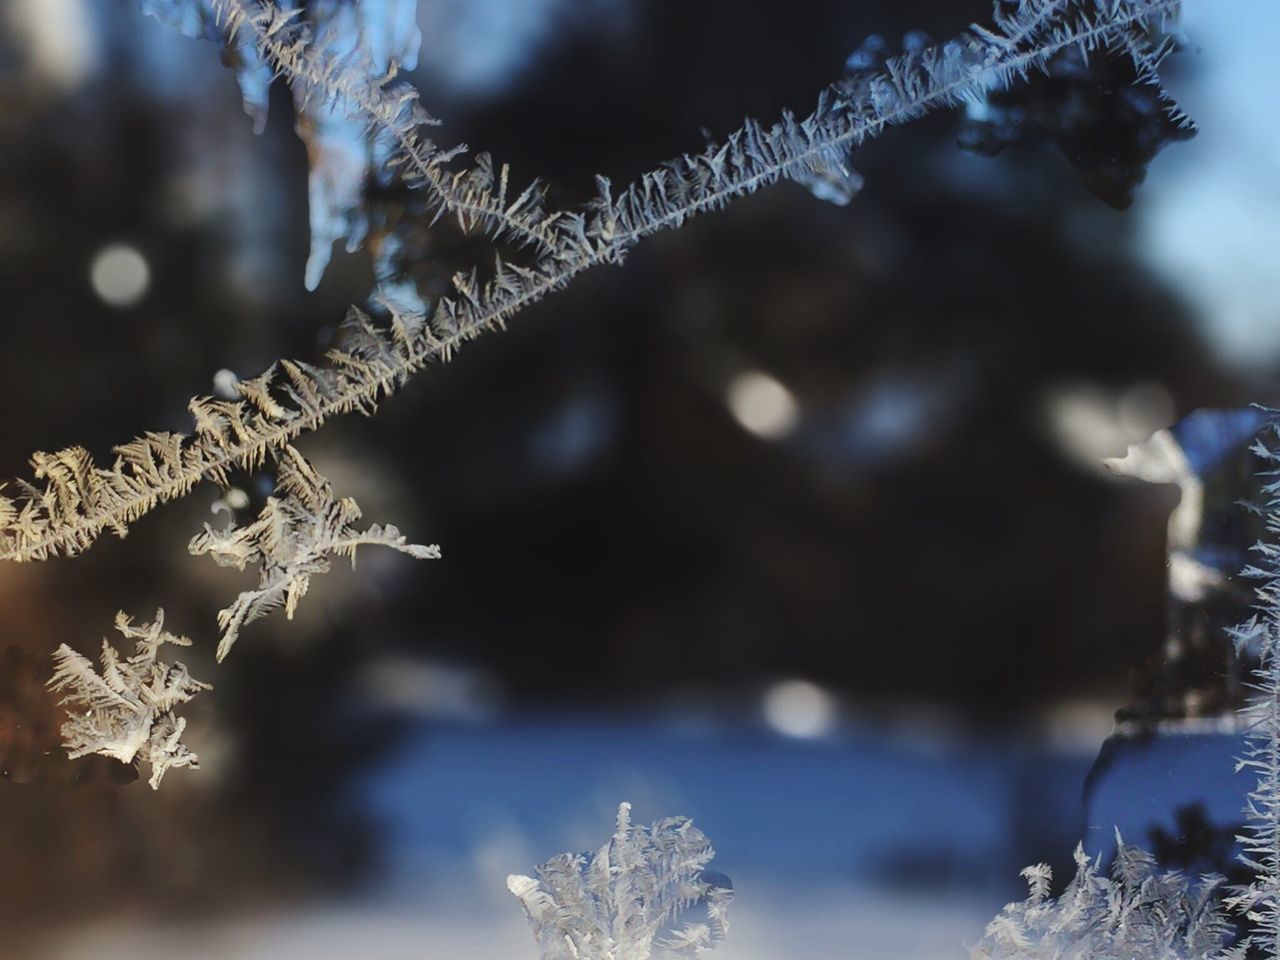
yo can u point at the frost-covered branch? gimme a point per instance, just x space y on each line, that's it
80 500
1260 637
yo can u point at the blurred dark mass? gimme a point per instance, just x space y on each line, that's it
861 445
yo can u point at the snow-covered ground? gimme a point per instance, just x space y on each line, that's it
825 924
858 844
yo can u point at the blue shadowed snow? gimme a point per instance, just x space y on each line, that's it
1140 784
849 808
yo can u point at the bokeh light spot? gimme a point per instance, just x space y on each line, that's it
798 708
120 275
762 405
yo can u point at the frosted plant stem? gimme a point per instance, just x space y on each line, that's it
1260 901
82 500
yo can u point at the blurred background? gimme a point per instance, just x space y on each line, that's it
797 524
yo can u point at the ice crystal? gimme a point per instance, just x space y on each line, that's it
1135 914
128 707
295 535
627 898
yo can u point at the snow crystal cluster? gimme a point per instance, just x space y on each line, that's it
626 900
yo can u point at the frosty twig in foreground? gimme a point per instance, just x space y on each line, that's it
79 499
1261 638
